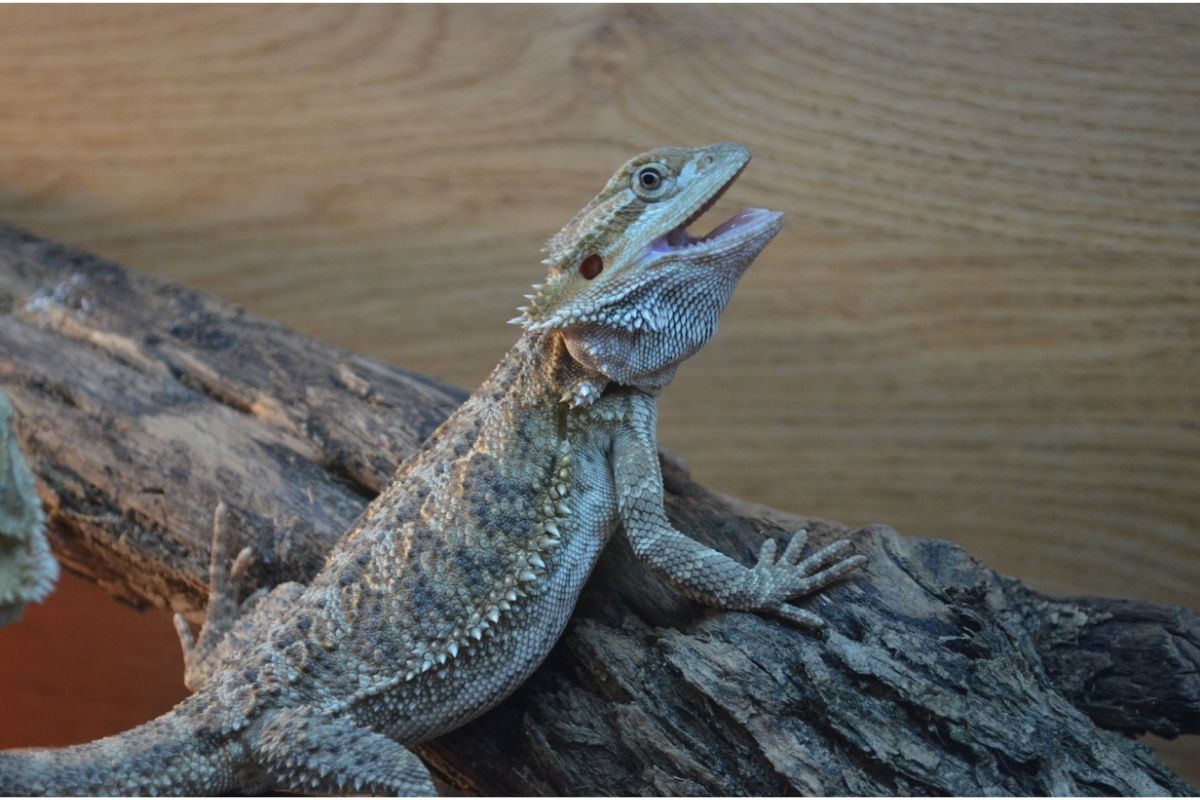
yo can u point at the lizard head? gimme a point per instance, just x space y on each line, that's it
632 292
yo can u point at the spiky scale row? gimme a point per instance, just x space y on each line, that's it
504 599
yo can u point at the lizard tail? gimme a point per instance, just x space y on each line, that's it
166 756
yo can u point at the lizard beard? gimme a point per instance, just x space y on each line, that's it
647 356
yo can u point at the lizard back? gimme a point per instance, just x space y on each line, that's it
475 553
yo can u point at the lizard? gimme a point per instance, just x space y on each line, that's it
455 582
27 568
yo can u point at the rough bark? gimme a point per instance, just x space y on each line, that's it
139 404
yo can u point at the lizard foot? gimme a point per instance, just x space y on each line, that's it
224 580
787 577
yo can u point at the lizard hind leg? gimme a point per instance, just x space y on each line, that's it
306 750
200 654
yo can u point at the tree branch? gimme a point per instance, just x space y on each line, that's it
140 404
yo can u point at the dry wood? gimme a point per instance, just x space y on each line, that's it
140 403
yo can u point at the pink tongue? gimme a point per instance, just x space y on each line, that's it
679 238
741 218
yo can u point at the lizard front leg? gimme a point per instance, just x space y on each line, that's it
699 571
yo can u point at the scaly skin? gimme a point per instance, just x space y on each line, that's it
457 580
27 569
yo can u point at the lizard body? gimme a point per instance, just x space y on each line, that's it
454 584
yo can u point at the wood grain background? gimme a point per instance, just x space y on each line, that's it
981 321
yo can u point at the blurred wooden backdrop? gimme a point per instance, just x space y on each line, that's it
981 321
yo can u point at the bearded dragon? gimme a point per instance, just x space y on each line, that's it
454 583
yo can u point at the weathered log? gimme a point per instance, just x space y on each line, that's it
139 404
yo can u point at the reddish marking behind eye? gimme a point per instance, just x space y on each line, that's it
591 266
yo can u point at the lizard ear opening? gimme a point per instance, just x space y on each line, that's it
591 266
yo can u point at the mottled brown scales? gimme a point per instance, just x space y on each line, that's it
456 581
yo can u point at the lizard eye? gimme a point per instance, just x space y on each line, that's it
591 266
649 181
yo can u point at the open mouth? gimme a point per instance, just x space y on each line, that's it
746 224
741 225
